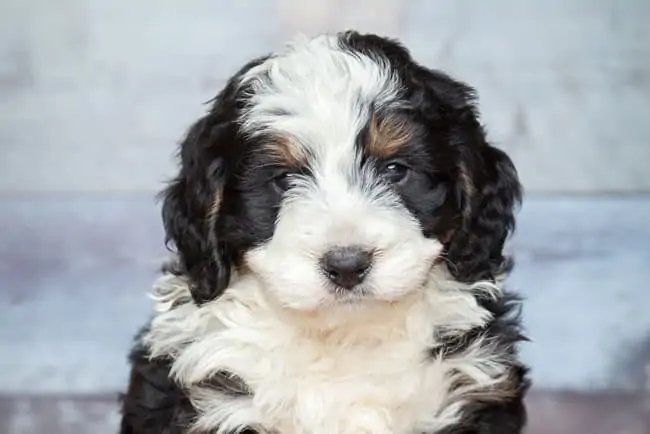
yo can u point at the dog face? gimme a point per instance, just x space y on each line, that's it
339 171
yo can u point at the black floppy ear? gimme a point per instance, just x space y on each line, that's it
190 207
488 192
191 203
487 188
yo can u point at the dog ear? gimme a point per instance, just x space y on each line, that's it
488 192
191 202
487 189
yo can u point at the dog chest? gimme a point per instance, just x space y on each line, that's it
312 386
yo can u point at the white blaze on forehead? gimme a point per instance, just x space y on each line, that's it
317 93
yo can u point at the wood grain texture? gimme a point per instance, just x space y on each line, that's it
549 412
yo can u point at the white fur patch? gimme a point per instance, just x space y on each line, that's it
368 374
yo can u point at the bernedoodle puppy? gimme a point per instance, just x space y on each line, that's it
339 221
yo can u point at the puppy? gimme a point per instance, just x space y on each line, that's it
339 220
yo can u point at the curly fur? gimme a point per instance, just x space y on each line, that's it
339 140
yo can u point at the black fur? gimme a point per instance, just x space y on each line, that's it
211 155
461 189
504 417
153 403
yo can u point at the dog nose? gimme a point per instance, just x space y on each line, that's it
346 266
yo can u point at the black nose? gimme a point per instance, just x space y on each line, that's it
346 266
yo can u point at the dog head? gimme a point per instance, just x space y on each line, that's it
336 171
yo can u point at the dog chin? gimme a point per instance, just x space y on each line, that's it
355 299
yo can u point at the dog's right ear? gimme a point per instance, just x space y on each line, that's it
191 203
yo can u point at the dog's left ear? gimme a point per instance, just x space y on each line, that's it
487 189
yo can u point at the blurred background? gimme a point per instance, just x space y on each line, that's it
94 96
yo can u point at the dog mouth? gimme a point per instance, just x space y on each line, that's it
352 295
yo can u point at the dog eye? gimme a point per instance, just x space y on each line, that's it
394 172
283 180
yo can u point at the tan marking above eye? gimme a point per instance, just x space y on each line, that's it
287 151
387 136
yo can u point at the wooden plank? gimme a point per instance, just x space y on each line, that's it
549 413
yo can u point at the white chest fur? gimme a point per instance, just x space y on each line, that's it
369 374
